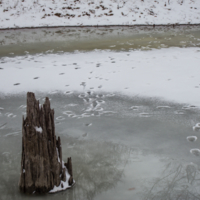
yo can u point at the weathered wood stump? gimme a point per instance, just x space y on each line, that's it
42 168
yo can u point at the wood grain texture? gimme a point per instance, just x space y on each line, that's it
41 160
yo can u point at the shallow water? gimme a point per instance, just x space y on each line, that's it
122 147
21 42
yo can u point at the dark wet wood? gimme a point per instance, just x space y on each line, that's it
69 168
41 160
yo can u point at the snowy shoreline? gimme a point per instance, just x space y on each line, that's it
44 13
104 26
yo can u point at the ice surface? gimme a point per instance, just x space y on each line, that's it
137 152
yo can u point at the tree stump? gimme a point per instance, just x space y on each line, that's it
42 168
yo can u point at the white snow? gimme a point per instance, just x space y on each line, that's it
171 73
64 184
38 129
37 13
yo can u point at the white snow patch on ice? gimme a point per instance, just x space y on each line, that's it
63 185
38 129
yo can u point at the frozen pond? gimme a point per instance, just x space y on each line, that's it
132 147
127 108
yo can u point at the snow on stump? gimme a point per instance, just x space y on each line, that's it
42 168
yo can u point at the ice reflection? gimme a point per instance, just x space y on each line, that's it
121 146
177 182
98 167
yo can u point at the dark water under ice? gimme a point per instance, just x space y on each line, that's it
121 147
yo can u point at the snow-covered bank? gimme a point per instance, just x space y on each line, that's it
38 13
172 73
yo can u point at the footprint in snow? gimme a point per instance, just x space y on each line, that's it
163 107
2 126
11 115
195 152
189 107
191 138
89 124
134 108
68 92
84 135
179 112
110 95
145 115
60 118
